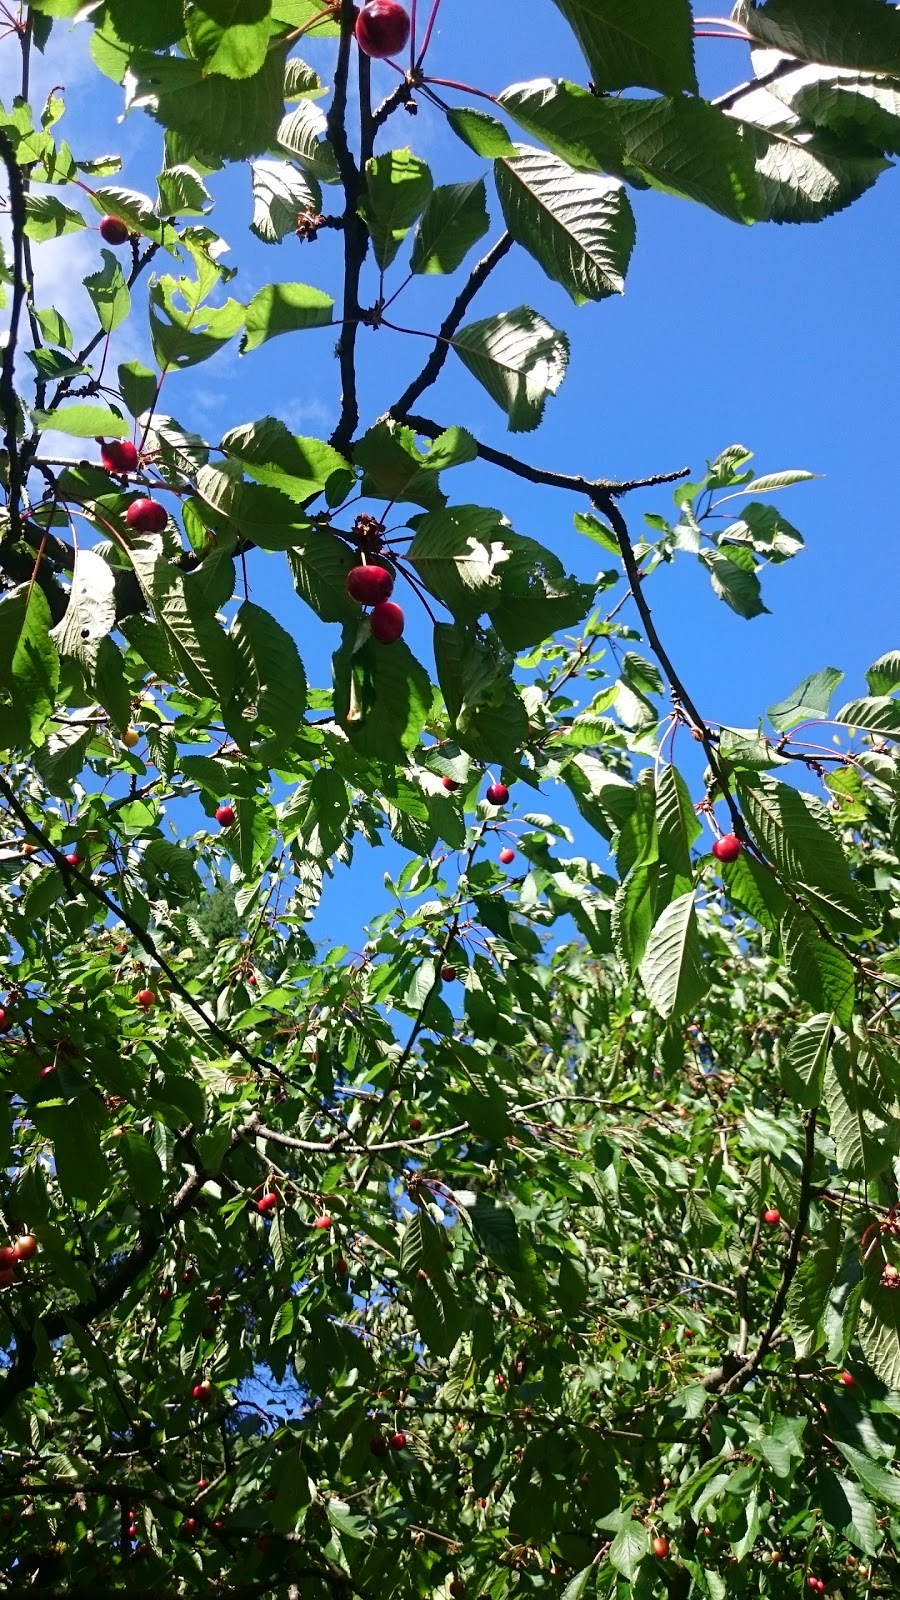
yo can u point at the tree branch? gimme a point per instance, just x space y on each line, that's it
477 277
8 402
356 236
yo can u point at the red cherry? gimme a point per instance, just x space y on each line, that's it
848 1380
660 1546
772 1217
322 1222
25 1247
73 859
225 816
340 1267
145 999
202 1391
113 230
457 1588
382 29
378 1446
146 516
266 1203
369 585
7 1258
386 622
7 1277
202 1483
415 1124
6 1021
450 786
497 794
507 855
218 1524
189 1525
728 848
119 455
448 974
47 1072
398 1441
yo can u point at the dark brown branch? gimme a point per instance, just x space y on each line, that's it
9 406
575 484
356 236
401 96
734 95
431 370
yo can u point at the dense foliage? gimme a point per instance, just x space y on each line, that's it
547 1244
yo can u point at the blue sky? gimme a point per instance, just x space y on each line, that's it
783 338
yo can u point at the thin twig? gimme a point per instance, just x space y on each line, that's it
477 277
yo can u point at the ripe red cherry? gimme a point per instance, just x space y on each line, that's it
322 1222
202 1483
25 1247
848 1380
113 230
415 1124
772 1217
340 1267
448 974
382 29
225 816
369 585
497 794
190 1525
398 1441
266 1203
7 1258
73 859
660 1546
507 855
457 1588
386 622
450 785
6 1021
119 455
145 999
146 516
728 848
202 1391
48 1071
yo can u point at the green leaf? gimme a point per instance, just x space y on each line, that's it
840 33
808 1294
672 970
281 194
796 833
481 132
29 664
677 824
145 1175
650 44
282 460
865 1134
847 1508
629 1547
181 192
215 116
83 422
183 337
109 293
578 1587
200 646
823 975
397 189
303 134
634 910
808 702
802 1064
319 564
454 219
382 695
878 1331
285 308
803 178
272 681
734 584
875 1479
880 714
578 227
91 612
137 385
519 359
48 218
394 466
230 37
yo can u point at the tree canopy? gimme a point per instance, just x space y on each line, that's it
547 1244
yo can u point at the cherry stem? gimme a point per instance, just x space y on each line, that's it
719 33
428 31
464 88
412 36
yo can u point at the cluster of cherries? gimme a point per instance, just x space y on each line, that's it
12 1254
